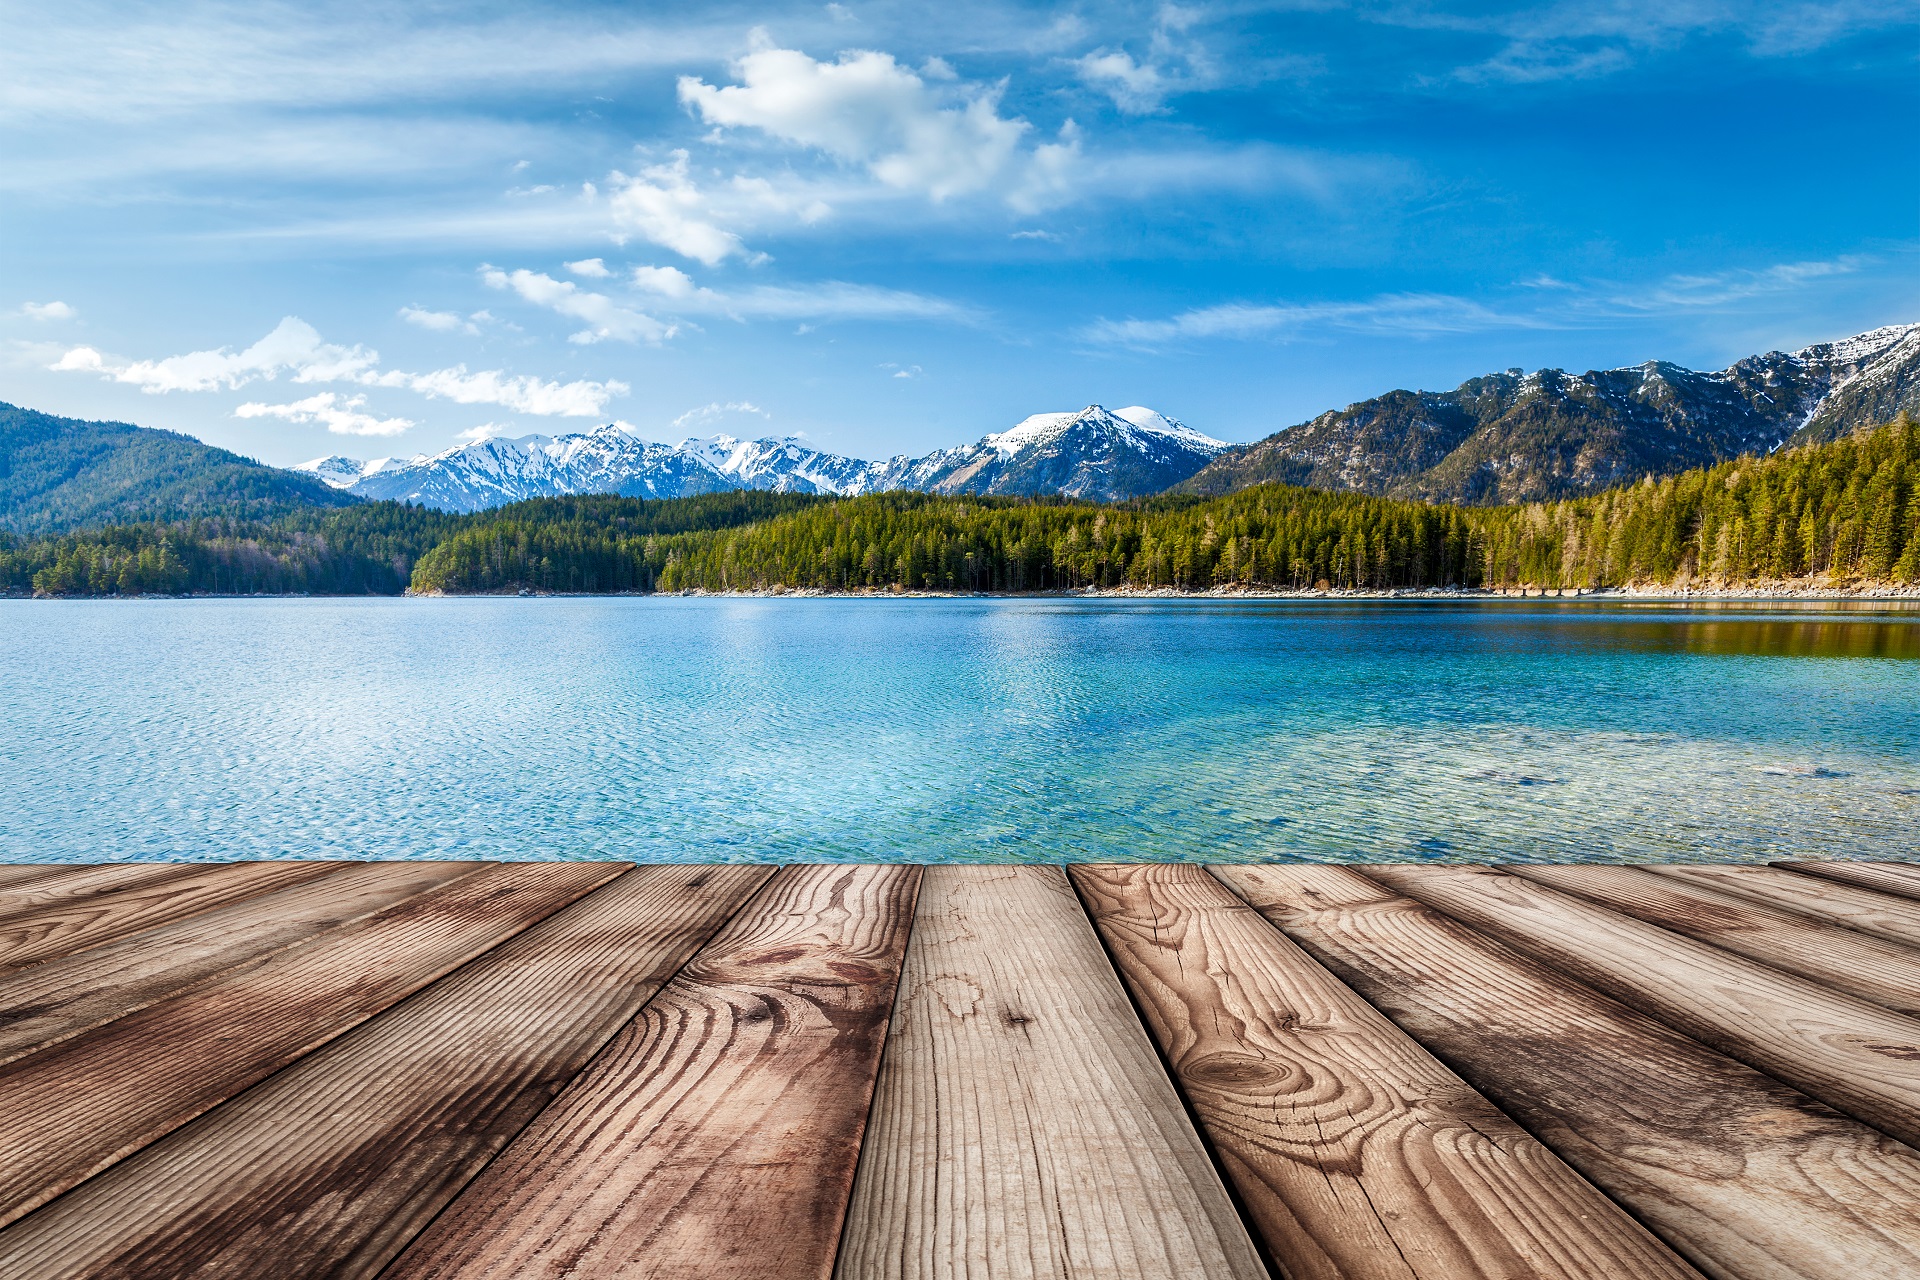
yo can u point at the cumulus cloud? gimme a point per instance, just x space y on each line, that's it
438 321
942 139
342 415
47 311
595 268
1174 63
605 319
663 204
523 393
294 347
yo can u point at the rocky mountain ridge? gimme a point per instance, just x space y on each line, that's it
1523 437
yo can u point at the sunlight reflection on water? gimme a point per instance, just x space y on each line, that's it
945 730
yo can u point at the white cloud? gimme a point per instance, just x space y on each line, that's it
524 393
665 206
1175 63
605 318
1411 314
342 415
293 347
1689 292
438 321
903 370
593 267
485 431
47 311
706 413
866 109
668 282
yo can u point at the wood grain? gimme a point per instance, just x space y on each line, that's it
1744 1176
1356 1153
74 926
57 999
1855 1056
1882 915
13 873
332 1166
1023 1126
1886 877
716 1136
71 1110
80 884
1886 973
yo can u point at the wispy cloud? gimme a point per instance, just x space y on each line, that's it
706 414
1537 303
47 311
1409 314
342 415
605 319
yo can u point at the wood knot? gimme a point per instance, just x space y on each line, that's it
1243 1073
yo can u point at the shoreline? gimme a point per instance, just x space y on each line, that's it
1762 593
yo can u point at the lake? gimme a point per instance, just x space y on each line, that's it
936 730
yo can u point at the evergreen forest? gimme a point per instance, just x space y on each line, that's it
1841 513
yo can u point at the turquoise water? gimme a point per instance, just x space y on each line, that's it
947 730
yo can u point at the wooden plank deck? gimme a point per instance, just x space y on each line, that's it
589 1070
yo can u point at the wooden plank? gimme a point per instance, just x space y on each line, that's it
58 999
1742 1175
332 1166
75 926
1851 1055
1023 1125
1356 1153
1882 915
13 873
79 884
1872 968
1886 877
717 1135
71 1110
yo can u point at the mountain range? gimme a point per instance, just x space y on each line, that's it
1504 437
1096 454
1526 437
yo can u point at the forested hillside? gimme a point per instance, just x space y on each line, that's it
1839 514
64 473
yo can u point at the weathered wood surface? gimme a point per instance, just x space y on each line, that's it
79 884
332 1166
1885 916
60 998
1023 1126
12 873
716 1137
1886 877
75 1108
1849 1053
1356 1153
75 926
1744 1176
1886 973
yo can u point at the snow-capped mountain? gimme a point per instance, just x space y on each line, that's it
1091 454
1518 437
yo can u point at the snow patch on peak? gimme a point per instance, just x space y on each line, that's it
1161 425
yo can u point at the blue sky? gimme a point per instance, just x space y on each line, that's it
302 229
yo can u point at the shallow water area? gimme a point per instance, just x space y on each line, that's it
1039 729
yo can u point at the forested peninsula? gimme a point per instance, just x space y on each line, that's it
1841 515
